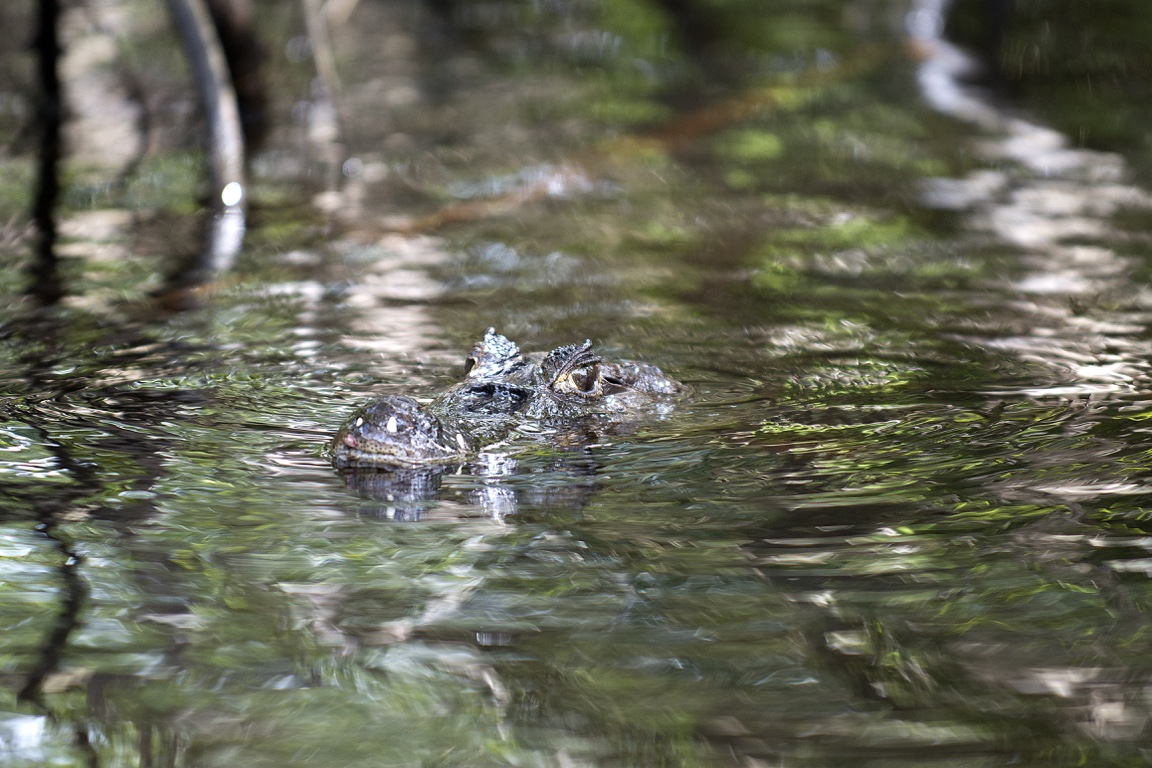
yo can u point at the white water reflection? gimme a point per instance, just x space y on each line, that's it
1044 198
22 738
391 295
1075 310
494 496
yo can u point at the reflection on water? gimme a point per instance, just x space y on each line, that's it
1054 203
901 520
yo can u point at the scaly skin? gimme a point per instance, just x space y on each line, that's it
502 393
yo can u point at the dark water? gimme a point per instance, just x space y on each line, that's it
901 520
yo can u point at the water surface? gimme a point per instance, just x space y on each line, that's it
899 521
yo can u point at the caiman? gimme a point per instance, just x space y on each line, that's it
505 396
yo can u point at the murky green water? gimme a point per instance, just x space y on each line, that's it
901 520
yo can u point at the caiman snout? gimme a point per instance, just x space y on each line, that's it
394 431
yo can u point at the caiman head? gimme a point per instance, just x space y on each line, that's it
502 392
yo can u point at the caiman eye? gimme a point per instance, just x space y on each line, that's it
469 364
582 381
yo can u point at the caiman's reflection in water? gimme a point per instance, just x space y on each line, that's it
404 493
399 451
408 495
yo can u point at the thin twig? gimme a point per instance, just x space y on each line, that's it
324 56
338 11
